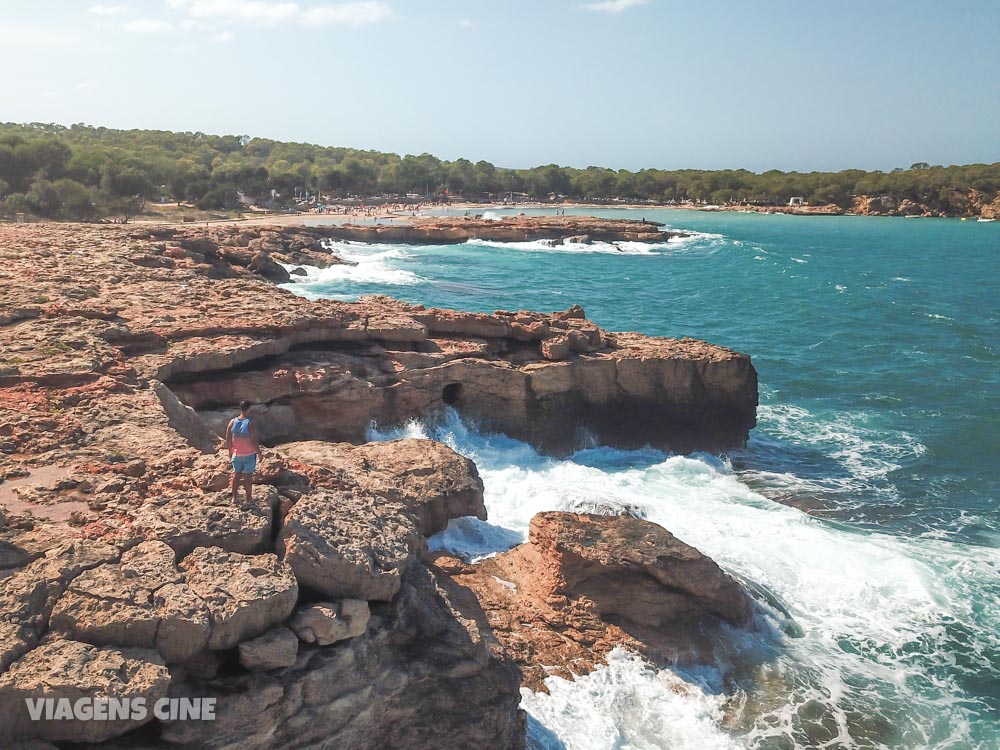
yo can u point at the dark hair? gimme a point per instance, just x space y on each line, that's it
245 406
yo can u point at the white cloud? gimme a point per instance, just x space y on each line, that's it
146 26
107 10
352 14
257 11
614 6
191 24
465 23
270 12
222 37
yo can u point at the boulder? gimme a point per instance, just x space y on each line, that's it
325 623
585 584
425 477
556 348
349 544
263 265
275 649
245 594
634 569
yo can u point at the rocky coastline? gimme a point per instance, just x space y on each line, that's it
967 204
314 613
451 230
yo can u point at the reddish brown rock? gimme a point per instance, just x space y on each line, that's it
446 230
584 584
112 374
350 545
427 478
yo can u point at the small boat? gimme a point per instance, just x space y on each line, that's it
981 220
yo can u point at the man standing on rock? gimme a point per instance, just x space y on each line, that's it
243 445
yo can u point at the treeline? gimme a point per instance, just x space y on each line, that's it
82 172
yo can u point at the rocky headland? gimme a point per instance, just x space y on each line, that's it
451 230
313 613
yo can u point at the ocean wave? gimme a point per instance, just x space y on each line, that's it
890 626
625 704
364 264
695 240
866 450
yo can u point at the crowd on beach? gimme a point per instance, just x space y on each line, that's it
387 209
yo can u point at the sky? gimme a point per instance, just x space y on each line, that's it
625 84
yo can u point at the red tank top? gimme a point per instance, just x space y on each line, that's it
243 444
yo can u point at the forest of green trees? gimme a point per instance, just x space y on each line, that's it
83 172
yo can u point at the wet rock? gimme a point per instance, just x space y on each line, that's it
635 569
263 265
585 584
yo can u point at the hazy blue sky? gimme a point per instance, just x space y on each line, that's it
620 83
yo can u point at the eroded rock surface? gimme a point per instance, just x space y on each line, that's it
586 583
348 545
427 478
448 230
71 670
123 350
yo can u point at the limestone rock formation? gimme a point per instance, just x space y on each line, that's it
430 480
127 566
325 623
586 583
245 594
447 230
277 648
347 545
72 670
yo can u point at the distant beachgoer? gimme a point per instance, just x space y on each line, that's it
243 445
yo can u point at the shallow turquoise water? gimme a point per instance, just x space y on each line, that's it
877 345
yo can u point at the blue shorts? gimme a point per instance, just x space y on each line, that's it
244 464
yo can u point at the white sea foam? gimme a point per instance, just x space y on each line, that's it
882 616
541 246
364 264
625 704
865 450
695 240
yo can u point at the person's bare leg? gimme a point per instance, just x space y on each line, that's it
248 485
236 484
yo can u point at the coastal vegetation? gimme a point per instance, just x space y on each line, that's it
84 172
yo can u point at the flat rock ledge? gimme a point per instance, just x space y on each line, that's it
451 230
310 611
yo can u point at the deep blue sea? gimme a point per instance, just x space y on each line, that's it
865 505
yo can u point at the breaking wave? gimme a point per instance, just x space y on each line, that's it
363 265
882 618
